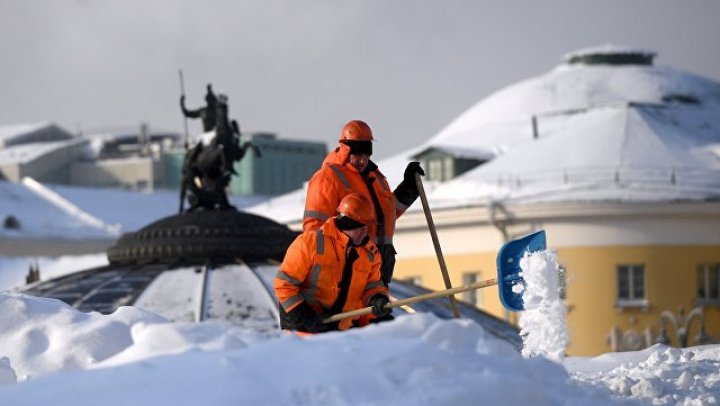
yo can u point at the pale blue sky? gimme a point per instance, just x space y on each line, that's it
302 68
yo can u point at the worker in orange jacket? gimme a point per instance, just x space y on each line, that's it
347 169
330 270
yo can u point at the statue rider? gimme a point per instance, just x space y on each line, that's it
207 113
208 168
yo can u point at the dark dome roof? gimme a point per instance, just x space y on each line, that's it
218 236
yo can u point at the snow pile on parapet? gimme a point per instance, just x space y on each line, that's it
543 326
417 359
660 374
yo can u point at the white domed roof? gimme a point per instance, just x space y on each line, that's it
605 125
609 121
571 87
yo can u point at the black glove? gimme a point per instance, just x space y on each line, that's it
304 318
410 171
407 191
315 325
378 303
312 322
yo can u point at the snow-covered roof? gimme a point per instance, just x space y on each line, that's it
79 213
604 132
570 88
8 133
43 214
26 133
613 153
132 210
284 209
24 153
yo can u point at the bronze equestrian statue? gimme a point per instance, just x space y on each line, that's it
208 169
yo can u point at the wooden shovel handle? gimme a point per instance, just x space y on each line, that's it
402 302
436 242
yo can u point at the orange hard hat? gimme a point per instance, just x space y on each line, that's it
358 208
356 130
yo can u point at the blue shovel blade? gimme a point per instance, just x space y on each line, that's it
508 266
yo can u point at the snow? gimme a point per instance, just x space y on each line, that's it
58 355
629 133
51 353
572 88
69 212
613 119
664 375
624 154
111 205
41 216
543 326
624 138
68 207
10 133
24 153
284 209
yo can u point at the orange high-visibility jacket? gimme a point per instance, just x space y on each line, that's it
335 179
313 267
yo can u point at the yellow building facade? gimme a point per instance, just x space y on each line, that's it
624 264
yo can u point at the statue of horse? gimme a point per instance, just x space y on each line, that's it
208 169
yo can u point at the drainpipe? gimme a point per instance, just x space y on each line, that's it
501 225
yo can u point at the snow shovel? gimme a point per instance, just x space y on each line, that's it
508 268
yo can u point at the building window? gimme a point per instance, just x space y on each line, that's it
435 169
708 283
631 285
472 296
448 169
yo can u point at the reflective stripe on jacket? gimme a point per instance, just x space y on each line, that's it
335 179
313 267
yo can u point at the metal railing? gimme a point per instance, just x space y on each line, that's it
644 176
